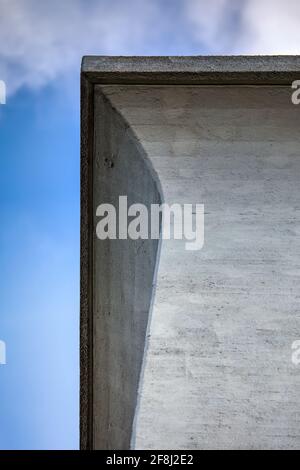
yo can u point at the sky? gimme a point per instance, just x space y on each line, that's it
41 45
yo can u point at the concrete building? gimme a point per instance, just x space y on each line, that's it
192 349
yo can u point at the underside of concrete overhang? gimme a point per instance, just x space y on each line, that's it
191 349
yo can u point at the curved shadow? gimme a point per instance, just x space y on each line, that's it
124 278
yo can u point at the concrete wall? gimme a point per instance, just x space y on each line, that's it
123 278
217 371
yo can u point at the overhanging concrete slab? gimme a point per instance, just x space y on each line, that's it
193 69
192 349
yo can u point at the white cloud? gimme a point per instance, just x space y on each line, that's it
39 40
271 27
214 23
246 26
43 40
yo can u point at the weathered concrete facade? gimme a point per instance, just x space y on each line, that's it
216 371
124 271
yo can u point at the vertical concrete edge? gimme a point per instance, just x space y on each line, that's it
86 250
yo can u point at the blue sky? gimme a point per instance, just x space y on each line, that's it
41 45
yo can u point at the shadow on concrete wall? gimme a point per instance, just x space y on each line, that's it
123 279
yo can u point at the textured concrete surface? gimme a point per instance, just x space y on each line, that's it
123 276
217 371
193 69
